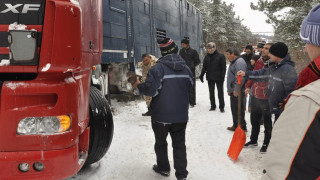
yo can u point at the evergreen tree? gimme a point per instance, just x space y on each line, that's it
221 26
286 17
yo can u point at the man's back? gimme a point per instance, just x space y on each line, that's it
169 82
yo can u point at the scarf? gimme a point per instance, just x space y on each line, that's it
309 74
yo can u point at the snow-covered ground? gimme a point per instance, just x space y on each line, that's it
131 154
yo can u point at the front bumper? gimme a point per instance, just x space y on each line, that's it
58 164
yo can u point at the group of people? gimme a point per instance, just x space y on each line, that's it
271 80
268 77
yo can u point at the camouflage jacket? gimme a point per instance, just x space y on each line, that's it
145 69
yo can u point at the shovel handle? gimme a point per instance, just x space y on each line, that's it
239 100
239 79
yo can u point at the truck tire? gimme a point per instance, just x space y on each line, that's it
101 126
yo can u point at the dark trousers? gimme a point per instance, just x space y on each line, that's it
260 108
211 85
276 116
177 133
192 94
234 111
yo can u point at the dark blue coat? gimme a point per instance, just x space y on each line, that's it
281 77
168 82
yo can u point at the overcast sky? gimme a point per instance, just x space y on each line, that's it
254 20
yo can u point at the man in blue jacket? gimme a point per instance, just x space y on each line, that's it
281 75
237 63
169 83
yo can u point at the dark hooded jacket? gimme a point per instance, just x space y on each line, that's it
281 78
247 58
168 82
191 57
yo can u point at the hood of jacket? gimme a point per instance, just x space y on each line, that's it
173 61
286 60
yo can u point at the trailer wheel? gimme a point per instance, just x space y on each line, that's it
101 126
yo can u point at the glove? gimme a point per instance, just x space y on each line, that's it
201 78
133 78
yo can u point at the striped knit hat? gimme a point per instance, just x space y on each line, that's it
310 30
167 46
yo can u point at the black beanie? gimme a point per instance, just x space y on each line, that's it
279 49
167 46
249 47
185 41
261 44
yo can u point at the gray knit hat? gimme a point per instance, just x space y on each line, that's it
310 30
211 45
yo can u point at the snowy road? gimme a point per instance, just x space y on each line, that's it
131 154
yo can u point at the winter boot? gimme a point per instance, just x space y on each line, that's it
251 144
212 109
231 128
148 113
163 173
263 149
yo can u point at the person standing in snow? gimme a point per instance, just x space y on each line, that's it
214 66
294 151
254 59
259 104
247 56
236 64
169 83
191 57
260 47
281 77
148 61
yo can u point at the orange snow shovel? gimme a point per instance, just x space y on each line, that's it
239 136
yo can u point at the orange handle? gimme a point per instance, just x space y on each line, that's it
239 79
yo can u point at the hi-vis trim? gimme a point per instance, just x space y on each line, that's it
172 77
178 76
277 79
25 9
260 77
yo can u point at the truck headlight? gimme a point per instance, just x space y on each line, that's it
44 125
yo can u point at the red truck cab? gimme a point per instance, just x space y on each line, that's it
52 120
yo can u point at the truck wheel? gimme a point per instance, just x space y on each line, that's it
101 126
